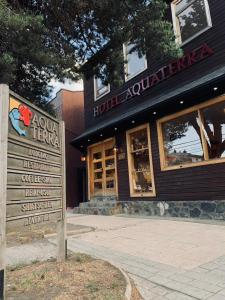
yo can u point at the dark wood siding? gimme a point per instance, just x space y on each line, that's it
214 37
194 183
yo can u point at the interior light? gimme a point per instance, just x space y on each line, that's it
115 148
132 121
215 88
181 102
154 113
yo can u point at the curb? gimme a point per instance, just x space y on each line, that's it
128 291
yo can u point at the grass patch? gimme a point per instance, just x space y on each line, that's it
80 277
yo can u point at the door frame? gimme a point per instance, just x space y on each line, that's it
89 166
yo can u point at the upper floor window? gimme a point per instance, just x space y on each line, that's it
100 88
190 18
134 63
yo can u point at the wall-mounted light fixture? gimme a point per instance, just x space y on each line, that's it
83 157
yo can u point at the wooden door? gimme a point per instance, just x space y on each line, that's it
102 164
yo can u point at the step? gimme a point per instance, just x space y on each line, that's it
95 203
107 211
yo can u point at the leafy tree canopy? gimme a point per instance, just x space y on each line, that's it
41 40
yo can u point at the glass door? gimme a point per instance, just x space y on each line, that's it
102 164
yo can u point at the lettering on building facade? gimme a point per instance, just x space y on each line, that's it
164 73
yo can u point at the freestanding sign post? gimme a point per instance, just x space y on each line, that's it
32 180
4 103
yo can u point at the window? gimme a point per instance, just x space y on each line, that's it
214 129
100 88
193 137
190 18
140 162
134 64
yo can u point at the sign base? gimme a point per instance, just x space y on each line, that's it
2 284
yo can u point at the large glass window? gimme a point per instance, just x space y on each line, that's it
191 17
100 88
214 129
193 138
140 162
134 63
182 140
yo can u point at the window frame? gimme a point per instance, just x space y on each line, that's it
127 77
176 26
132 193
196 108
96 98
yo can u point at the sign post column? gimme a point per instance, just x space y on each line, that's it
61 225
4 109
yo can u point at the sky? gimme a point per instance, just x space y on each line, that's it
68 85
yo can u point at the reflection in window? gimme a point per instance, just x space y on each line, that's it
134 64
214 129
97 166
97 175
194 137
139 162
100 88
110 173
109 163
182 140
97 155
110 184
109 152
192 17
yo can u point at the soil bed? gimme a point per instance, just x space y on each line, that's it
80 277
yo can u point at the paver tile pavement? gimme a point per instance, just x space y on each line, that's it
167 259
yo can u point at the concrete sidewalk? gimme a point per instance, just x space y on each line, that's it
167 259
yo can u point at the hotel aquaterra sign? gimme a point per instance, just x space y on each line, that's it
138 88
34 166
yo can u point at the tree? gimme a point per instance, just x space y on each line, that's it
213 130
53 39
193 19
